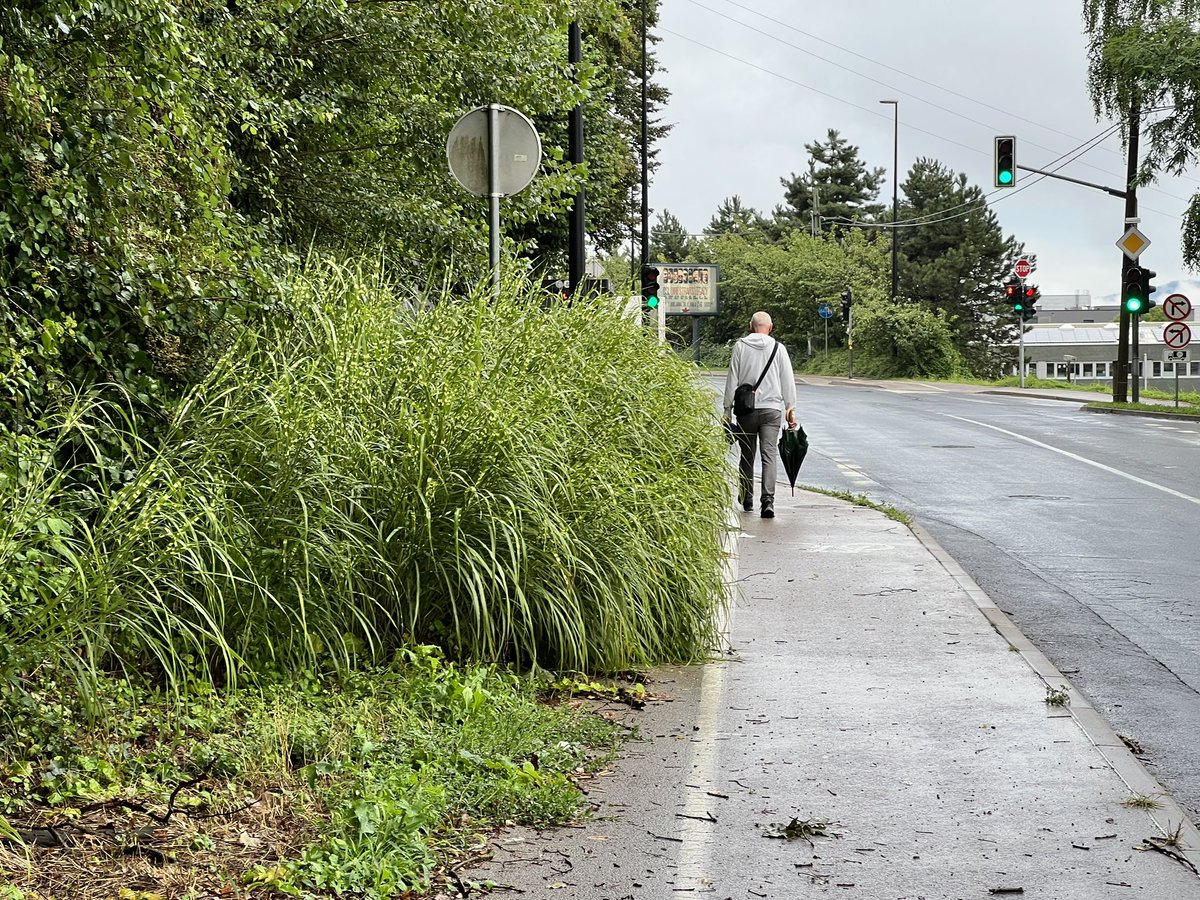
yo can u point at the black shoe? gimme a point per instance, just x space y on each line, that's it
747 506
768 512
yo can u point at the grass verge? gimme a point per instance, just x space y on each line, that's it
891 512
1153 408
371 785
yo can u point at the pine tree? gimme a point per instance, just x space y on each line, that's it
845 189
733 217
669 240
956 259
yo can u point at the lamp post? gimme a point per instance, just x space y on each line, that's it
895 104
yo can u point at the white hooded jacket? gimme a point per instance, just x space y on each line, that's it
750 355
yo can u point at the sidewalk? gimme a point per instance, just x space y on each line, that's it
873 699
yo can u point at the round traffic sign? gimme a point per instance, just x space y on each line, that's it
1023 268
1177 307
518 156
824 311
1177 335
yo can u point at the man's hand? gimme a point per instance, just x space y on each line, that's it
791 418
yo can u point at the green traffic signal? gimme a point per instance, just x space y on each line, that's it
650 287
1136 291
1005 161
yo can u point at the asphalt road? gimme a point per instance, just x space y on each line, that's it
1082 527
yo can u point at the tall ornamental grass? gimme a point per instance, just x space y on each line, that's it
542 486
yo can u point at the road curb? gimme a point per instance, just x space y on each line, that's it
1170 816
1041 395
1164 414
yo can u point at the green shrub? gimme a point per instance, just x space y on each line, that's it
513 483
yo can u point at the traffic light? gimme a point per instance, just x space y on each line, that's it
847 302
1006 161
1029 305
650 287
1135 292
1013 294
1148 288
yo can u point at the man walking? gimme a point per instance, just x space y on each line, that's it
762 366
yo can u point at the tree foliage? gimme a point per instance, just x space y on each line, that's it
733 216
669 239
789 279
1143 55
165 161
840 188
955 261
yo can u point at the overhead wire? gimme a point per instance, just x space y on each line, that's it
874 112
906 74
1001 193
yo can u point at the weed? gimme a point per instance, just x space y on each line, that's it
863 500
1057 696
1142 801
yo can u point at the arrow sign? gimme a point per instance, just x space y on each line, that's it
1177 307
1177 335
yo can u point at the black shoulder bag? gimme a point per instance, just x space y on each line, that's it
743 394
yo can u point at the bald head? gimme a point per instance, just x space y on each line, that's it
760 323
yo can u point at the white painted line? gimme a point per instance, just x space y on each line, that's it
1083 459
695 856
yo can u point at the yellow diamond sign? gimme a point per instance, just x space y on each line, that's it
1133 242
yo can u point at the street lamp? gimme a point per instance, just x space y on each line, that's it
895 104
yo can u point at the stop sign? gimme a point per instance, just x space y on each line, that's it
1022 268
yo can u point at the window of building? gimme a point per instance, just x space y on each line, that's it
1089 370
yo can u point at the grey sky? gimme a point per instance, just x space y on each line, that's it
963 72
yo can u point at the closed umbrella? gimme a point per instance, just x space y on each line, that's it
793 447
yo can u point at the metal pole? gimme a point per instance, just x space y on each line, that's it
1121 376
645 152
895 199
815 212
1135 330
895 104
826 321
850 345
1021 352
575 265
1175 365
696 338
493 193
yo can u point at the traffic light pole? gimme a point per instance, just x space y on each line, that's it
1021 342
577 246
1121 376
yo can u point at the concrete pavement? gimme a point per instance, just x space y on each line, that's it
875 727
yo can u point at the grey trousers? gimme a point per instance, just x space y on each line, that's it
760 429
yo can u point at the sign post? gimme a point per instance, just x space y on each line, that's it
826 313
1177 307
494 151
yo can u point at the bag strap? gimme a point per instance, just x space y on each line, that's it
767 367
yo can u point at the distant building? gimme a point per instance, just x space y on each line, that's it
1072 341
